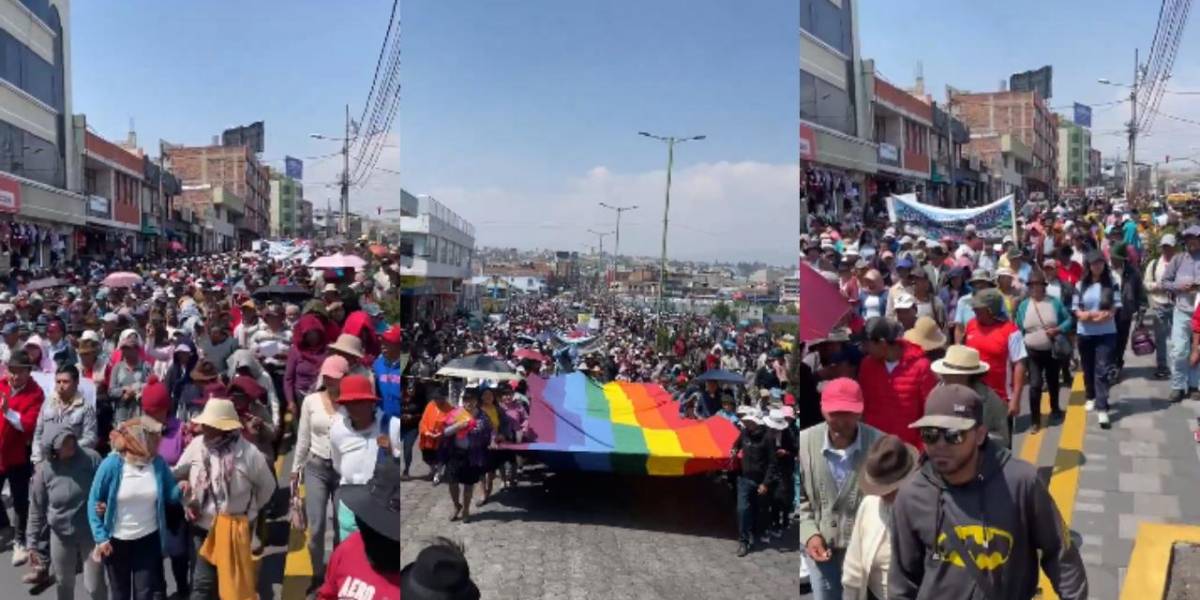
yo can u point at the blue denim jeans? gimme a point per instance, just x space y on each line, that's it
1096 354
1183 375
408 439
826 577
1162 333
748 503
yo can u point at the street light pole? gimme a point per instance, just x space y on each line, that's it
662 273
618 210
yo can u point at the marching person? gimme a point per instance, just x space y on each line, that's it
1097 301
359 439
829 460
754 451
20 403
971 499
369 559
1042 320
1182 280
889 463
1162 308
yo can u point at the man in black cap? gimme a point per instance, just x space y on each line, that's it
369 560
982 512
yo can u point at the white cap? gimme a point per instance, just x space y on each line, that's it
90 336
329 287
905 300
1167 240
906 240
970 227
111 318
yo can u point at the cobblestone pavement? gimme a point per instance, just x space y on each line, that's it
576 536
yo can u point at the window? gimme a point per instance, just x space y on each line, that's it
827 22
823 103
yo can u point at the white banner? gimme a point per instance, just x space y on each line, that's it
993 221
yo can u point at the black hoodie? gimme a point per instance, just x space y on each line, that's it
1004 517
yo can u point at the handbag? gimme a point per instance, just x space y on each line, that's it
1060 347
297 518
1143 341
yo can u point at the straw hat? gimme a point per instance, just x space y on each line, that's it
219 413
926 334
889 463
960 360
349 344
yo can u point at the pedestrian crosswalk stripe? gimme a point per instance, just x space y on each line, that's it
1064 481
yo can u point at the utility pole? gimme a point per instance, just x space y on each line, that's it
346 178
662 273
952 192
1130 174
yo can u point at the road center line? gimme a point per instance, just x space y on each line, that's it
1064 481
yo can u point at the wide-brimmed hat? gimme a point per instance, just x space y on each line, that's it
20 359
219 413
889 463
926 334
204 371
348 344
356 388
775 419
439 573
983 275
960 360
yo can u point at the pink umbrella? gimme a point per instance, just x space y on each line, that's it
122 279
527 354
177 246
338 261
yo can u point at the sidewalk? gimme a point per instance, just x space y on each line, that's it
1106 483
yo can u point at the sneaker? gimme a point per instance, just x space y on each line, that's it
803 572
20 555
1090 405
37 577
1161 374
1177 396
1102 416
743 549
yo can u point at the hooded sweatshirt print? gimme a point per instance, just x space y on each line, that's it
1004 517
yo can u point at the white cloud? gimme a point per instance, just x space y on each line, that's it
724 210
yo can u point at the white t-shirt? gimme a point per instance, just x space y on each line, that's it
137 502
872 307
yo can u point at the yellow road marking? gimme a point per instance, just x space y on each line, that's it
1031 448
1064 481
297 566
1150 561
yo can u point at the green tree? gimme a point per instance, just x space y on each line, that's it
722 312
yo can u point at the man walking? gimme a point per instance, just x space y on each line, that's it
1161 306
1182 279
830 456
756 452
975 520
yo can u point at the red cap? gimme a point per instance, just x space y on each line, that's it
393 335
789 400
842 395
248 386
155 397
356 388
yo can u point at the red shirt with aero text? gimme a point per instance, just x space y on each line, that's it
350 577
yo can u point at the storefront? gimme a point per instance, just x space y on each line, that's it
833 172
37 224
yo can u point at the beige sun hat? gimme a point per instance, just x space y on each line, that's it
926 334
219 413
350 344
960 360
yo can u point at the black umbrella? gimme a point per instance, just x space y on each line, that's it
283 291
722 376
478 366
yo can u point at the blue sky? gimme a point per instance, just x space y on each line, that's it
973 45
184 71
521 115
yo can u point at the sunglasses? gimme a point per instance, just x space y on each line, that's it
931 435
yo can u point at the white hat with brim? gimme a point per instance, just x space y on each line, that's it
960 360
349 344
219 413
775 420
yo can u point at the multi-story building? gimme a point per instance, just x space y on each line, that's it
112 180
286 195
836 149
304 224
436 248
1074 155
902 124
236 168
218 210
1025 118
41 208
1095 173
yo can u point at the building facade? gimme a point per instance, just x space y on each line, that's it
837 153
112 180
235 168
436 249
304 224
902 125
286 196
1074 155
1028 123
1095 172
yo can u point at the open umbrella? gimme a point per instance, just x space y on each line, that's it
378 249
122 279
528 354
338 261
177 246
478 366
294 292
722 376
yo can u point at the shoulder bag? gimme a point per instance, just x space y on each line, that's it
955 544
1060 347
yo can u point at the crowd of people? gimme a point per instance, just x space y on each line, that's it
888 441
144 410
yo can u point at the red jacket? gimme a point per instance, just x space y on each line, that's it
891 401
15 442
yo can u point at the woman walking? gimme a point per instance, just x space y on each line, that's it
1042 320
127 511
1097 300
465 440
156 404
312 461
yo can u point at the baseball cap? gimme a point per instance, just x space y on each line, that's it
329 287
905 300
953 406
842 395
9 329
1167 240
110 318
904 263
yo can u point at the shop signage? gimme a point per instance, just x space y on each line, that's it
10 195
889 152
98 206
808 143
